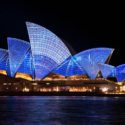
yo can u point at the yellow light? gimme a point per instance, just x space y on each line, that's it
3 72
24 76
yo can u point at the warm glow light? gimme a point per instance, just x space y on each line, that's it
3 72
105 89
25 89
23 76
33 83
57 88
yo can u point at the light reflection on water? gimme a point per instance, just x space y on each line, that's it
56 110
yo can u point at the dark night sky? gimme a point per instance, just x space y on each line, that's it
82 25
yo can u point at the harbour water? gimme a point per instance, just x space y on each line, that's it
55 110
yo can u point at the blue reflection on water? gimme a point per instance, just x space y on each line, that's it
56 110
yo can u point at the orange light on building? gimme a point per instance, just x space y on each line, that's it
25 89
23 76
3 72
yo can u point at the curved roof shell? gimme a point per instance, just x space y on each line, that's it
2 53
48 50
106 69
4 61
27 65
46 53
69 67
120 72
17 52
89 59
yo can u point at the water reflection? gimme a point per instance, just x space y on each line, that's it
57 110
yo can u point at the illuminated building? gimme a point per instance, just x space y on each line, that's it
69 67
48 50
89 60
120 73
47 63
20 57
4 61
106 70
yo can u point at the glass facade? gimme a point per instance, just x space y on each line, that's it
106 69
48 50
89 59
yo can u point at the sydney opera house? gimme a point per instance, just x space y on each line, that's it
47 63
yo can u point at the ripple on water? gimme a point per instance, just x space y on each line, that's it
55 110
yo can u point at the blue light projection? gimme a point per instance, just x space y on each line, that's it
74 68
4 61
113 73
17 51
88 59
120 73
62 68
2 53
48 50
106 69
27 64
69 67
